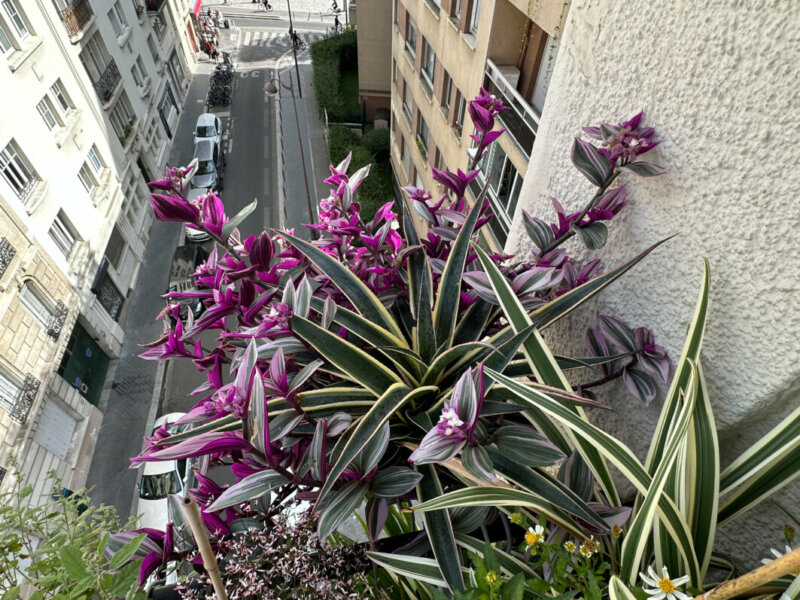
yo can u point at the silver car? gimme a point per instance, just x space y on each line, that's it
208 127
210 163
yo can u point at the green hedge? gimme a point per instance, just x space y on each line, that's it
376 189
340 140
377 142
329 58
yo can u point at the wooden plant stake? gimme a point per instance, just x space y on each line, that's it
201 538
788 563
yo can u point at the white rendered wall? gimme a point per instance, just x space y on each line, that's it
719 82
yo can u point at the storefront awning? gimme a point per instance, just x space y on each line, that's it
198 6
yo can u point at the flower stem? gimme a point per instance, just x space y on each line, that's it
569 233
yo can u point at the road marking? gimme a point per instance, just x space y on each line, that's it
247 38
201 100
256 38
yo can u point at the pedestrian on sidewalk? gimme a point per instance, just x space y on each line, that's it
336 25
214 54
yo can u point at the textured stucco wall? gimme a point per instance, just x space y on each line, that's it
719 81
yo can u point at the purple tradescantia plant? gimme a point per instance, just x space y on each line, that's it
456 426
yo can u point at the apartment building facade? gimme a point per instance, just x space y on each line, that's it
443 52
93 90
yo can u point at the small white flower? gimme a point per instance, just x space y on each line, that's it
534 536
663 587
777 554
395 225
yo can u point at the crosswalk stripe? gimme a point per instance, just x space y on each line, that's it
246 38
257 38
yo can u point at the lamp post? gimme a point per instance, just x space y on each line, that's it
272 89
294 50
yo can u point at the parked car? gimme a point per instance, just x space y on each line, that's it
210 165
185 261
208 127
195 236
159 479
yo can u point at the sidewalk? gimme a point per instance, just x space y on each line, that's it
312 133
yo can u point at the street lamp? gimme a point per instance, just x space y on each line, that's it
272 89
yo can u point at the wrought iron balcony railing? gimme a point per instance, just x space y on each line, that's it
76 16
108 81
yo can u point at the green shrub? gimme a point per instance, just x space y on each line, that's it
377 142
340 140
329 57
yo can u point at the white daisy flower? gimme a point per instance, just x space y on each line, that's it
534 536
777 554
663 587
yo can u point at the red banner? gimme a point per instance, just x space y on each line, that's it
198 6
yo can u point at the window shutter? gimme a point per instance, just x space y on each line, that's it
401 19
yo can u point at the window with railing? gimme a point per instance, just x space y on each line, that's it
75 15
17 171
95 159
63 234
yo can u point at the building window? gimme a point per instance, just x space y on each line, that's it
423 136
407 102
394 11
473 20
117 18
138 72
10 393
151 44
5 43
35 305
461 111
159 26
411 37
428 66
134 199
86 175
457 6
95 160
122 118
51 119
175 71
61 97
63 234
17 171
447 91
115 249
15 17
405 157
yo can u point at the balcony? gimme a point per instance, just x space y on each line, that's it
520 120
154 6
107 83
76 18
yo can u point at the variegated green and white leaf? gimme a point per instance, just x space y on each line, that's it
617 453
638 534
249 488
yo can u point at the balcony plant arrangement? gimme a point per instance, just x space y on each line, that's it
403 374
